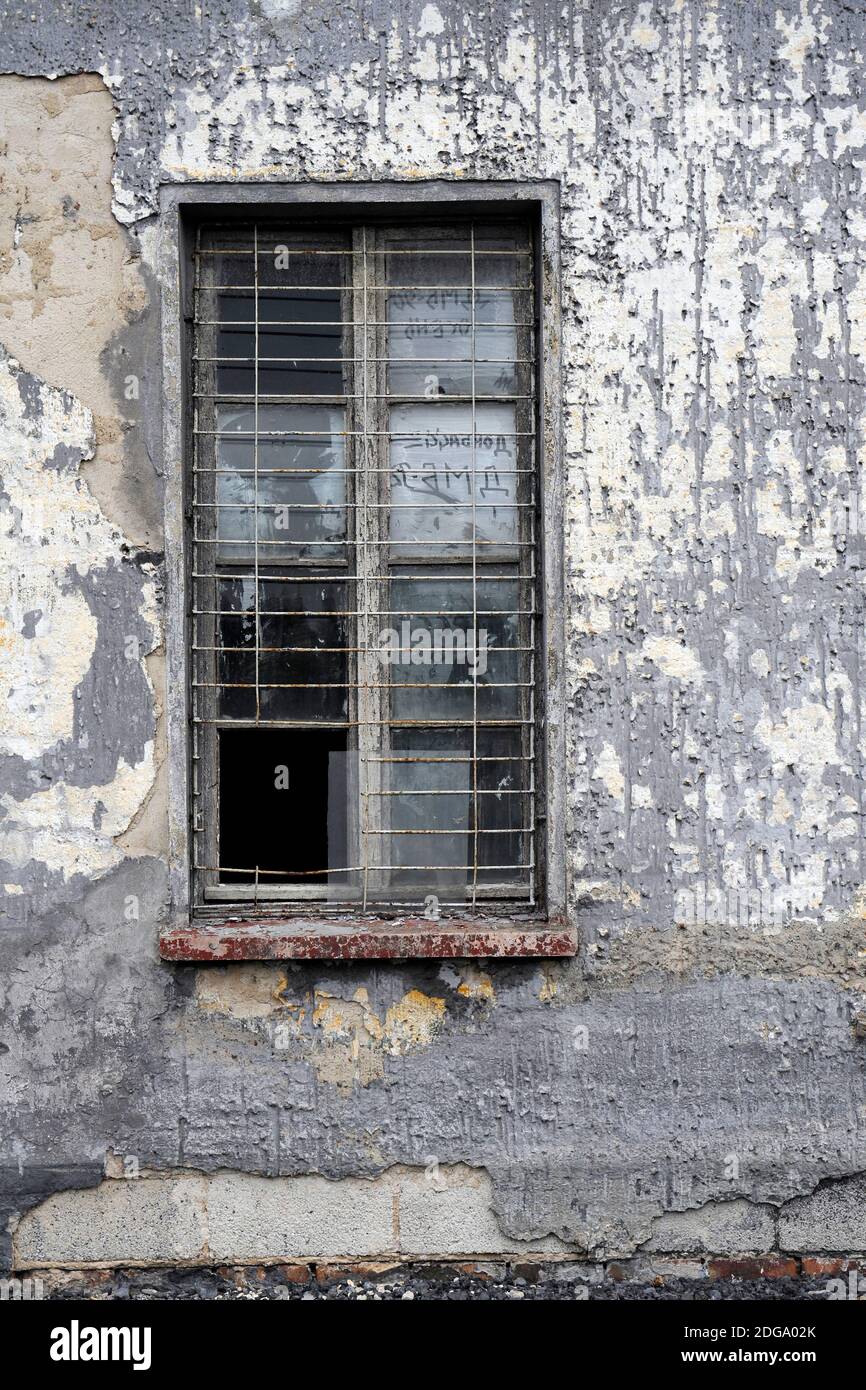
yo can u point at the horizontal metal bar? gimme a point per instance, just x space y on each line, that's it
251 651
395 544
242 435
466 791
263 326
285 249
266 324
351 895
425 471
341 398
360 685
388 758
250 541
475 830
343 578
489 895
450 723
362 612
264 291
398 361
353 506
372 868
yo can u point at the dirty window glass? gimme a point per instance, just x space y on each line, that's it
364 557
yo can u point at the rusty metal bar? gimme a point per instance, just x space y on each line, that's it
229 324
332 253
403 360
359 868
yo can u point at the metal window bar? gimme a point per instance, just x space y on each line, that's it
369 557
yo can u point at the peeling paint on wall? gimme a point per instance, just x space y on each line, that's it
711 161
66 796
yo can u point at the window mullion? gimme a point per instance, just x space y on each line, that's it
370 521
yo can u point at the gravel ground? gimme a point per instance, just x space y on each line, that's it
405 1287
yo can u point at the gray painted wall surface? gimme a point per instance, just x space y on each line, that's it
711 159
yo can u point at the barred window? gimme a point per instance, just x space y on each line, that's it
364 568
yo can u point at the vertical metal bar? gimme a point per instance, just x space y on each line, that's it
198 694
256 458
353 451
474 481
363 518
530 820
256 484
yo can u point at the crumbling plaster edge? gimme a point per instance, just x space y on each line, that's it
523 1250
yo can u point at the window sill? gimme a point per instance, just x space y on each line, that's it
402 939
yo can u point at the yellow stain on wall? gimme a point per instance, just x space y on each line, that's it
476 984
355 1040
413 1022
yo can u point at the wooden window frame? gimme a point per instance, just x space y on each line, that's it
304 930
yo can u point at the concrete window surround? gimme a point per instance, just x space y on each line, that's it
286 931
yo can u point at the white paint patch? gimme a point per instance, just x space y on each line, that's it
52 527
674 659
784 279
608 770
430 21
72 829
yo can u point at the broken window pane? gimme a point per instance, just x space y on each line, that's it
276 812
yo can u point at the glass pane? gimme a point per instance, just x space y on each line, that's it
308 683
301 482
431 344
300 674
431 263
218 307
233 373
283 375
409 837
308 272
236 666
437 649
503 798
433 452
281 266
311 310
231 267
425 809
441 291
299 313
433 367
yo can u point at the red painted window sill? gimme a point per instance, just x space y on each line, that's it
402 939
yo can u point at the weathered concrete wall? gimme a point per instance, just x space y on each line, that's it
701 1049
